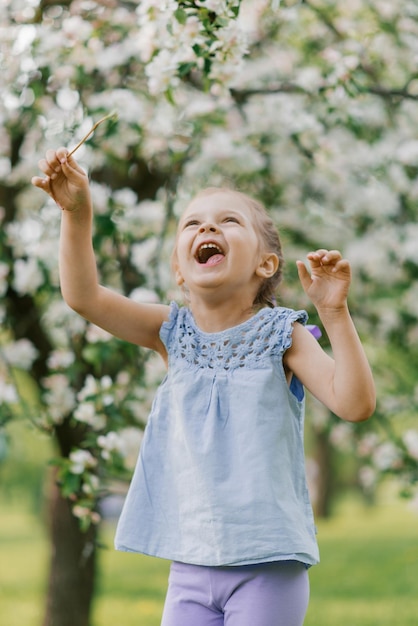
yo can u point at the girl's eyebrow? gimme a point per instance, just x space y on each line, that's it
222 212
188 218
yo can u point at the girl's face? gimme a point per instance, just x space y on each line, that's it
218 246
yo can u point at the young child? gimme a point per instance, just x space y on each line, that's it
219 488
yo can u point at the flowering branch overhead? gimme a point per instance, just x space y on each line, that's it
293 101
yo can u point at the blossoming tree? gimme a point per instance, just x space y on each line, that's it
310 105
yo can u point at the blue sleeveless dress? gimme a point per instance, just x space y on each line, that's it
220 478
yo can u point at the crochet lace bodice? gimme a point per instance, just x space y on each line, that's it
245 345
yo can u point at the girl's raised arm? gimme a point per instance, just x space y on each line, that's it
343 382
67 183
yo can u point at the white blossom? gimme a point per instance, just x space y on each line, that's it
106 382
101 195
140 294
61 359
341 436
91 484
368 477
143 253
77 28
138 219
78 510
27 276
407 153
86 413
409 247
61 323
24 236
126 197
67 98
111 442
59 397
162 72
91 387
81 460
386 456
83 512
221 7
21 353
8 392
94 334
410 299
410 439
367 444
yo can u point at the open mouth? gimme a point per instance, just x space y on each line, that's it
209 254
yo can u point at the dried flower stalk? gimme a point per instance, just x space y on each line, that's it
91 131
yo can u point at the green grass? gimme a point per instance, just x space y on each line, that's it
368 574
23 565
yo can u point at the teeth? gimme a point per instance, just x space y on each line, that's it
206 250
210 245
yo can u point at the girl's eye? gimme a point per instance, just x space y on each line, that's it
191 223
231 219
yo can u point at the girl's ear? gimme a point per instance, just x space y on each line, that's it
175 268
268 266
178 276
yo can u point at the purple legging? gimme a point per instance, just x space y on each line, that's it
269 594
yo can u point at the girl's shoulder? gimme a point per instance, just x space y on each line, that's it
275 327
283 313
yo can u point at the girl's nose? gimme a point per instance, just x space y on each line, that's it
208 227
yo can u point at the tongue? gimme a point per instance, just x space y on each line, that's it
215 259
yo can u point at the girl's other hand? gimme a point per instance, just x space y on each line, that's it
328 282
65 181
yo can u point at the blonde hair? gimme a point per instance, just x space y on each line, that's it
269 242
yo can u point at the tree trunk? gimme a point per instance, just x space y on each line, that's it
325 482
72 568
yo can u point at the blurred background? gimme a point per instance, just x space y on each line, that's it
312 107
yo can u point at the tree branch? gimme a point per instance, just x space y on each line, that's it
241 96
385 93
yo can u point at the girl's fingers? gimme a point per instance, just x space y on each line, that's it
304 275
62 154
69 165
342 266
331 256
324 257
53 160
45 167
37 181
50 166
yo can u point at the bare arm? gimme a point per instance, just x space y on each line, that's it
343 382
67 184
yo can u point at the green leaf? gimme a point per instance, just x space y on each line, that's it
85 523
185 68
222 21
181 16
70 484
170 97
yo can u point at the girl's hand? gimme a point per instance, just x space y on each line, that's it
65 181
328 283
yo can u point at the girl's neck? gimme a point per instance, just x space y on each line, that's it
213 318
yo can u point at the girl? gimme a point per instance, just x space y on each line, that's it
219 487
